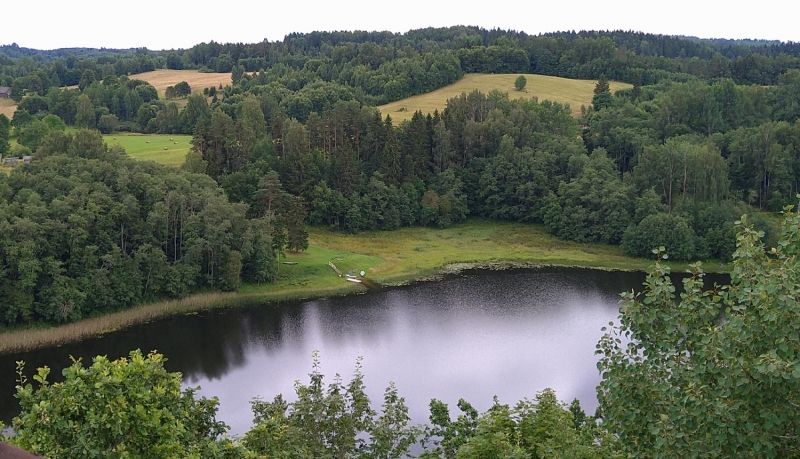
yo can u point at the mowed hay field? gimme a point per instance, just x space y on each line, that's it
8 107
169 150
161 79
563 90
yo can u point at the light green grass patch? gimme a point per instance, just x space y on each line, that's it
411 253
312 272
169 150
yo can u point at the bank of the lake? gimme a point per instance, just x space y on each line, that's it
389 258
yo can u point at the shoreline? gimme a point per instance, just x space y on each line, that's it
387 272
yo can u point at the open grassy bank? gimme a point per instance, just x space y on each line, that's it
388 257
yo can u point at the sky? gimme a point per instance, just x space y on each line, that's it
172 24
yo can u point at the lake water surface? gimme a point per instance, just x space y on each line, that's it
471 336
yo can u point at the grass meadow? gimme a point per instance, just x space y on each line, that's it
169 150
563 90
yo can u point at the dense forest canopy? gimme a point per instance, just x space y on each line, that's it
708 132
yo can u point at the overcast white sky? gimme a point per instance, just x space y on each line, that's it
167 24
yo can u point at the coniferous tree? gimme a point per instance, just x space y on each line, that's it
602 94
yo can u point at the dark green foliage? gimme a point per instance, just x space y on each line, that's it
84 113
94 231
520 82
33 104
108 124
594 206
660 230
131 407
5 130
294 215
87 78
602 95
716 372
21 118
32 134
182 89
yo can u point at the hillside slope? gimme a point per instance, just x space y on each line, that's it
563 90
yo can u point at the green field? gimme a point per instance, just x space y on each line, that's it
563 90
169 150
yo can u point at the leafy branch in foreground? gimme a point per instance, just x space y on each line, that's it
715 374
130 407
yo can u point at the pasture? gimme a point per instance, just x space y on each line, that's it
158 148
563 90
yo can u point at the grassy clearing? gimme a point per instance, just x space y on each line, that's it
7 107
572 92
388 257
159 148
411 253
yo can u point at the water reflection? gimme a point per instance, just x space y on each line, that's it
509 334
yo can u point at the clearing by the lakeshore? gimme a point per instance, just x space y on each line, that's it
573 92
387 257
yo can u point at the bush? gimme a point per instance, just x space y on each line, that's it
670 231
108 124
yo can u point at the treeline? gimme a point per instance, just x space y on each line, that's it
621 175
380 67
86 230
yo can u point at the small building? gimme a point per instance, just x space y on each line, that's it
11 161
5 92
27 159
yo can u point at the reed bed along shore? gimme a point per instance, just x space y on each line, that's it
35 338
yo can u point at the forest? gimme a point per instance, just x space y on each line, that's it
708 132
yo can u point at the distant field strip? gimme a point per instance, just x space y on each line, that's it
563 90
169 150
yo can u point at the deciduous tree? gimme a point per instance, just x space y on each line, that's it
131 407
715 374
520 82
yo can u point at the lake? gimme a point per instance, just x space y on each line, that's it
472 336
